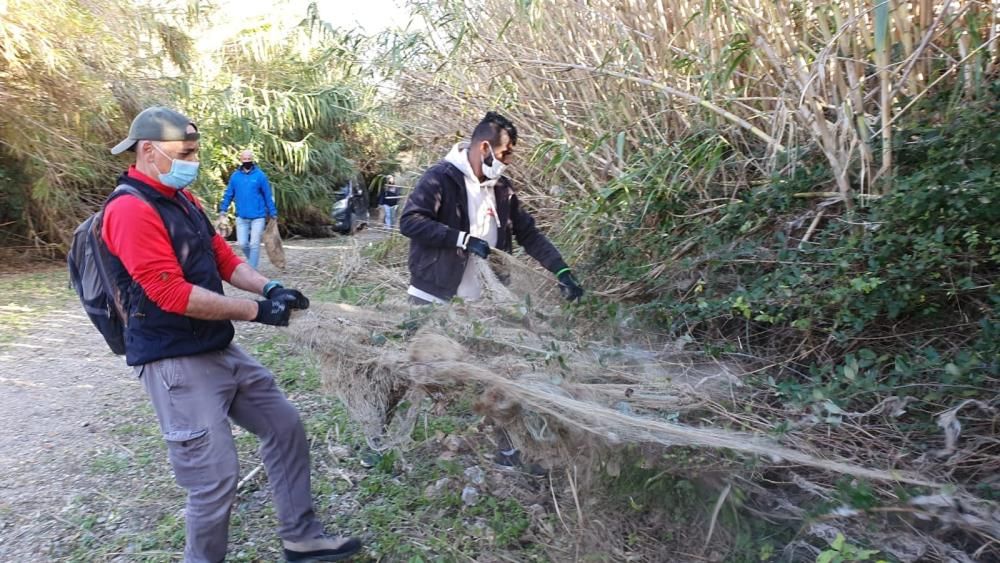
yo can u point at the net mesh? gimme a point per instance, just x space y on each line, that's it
560 397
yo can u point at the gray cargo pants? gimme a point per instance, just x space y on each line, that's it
194 398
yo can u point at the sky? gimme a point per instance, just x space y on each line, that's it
372 16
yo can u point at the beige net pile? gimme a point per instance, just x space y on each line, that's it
560 397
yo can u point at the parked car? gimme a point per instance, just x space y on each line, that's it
350 210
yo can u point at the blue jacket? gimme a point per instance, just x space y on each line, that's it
252 193
151 333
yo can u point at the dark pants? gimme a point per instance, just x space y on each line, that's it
195 397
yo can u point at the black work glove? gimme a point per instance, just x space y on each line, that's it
569 287
274 312
478 246
296 299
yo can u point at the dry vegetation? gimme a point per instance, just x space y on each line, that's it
594 83
797 187
797 199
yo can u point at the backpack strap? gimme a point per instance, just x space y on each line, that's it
124 189
100 249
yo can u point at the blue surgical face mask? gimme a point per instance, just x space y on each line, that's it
181 174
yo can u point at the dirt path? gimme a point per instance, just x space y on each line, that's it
65 401
60 389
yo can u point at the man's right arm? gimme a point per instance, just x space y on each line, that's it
419 220
227 197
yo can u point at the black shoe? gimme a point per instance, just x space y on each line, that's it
322 549
511 461
369 459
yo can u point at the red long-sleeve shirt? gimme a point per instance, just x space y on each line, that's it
134 233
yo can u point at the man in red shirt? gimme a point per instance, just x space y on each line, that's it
168 266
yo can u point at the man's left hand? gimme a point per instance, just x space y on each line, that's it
478 246
569 287
294 297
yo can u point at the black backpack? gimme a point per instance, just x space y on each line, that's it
88 261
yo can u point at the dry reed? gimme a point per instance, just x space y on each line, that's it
591 84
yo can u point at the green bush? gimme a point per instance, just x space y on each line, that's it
899 292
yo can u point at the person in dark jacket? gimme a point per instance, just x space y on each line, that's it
168 265
388 199
249 188
461 208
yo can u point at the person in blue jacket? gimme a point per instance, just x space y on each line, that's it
249 188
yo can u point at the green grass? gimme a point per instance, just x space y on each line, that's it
354 294
408 524
163 541
428 427
110 462
381 249
294 371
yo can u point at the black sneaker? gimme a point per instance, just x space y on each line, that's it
369 459
325 548
510 460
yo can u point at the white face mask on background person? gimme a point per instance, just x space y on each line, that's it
494 170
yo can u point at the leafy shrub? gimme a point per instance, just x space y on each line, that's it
900 292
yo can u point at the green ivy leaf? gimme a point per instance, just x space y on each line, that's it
838 542
850 372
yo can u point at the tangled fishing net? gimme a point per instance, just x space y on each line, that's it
558 395
570 400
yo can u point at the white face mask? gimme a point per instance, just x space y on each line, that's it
493 171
